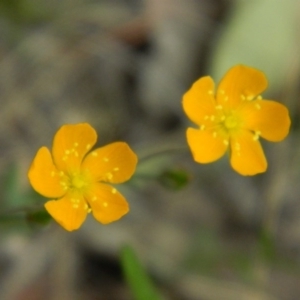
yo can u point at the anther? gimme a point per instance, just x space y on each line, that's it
94 153
219 106
105 204
256 135
214 134
109 176
114 191
225 142
88 146
105 159
257 106
202 127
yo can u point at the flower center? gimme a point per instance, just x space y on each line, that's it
77 182
230 122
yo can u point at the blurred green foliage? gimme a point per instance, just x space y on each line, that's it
20 209
260 34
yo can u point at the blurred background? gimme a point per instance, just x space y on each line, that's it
123 66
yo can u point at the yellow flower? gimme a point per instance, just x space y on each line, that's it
234 117
80 180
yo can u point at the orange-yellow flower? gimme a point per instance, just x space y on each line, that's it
234 117
79 180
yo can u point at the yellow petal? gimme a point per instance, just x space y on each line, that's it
198 102
240 83
107 203
44 176
205 146
69 212
113 163
70 145
269 118
247 156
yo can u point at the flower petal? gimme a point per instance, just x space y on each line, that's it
247 156
240 83
198 102
44 176
70 145
269 118
69 212
113 163
107 203
204 146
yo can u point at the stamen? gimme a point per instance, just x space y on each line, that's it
114 191
226 142
259 97
243 97
226 99
210 92
212 117
105 159
222 92
219 106
116 169
202 127
94 153
75 205
105 204
257 106
256 135
88 146
214 134
76 145
109 176
94 198
206 117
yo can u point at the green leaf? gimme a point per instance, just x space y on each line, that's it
39 217
174 179
136 277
